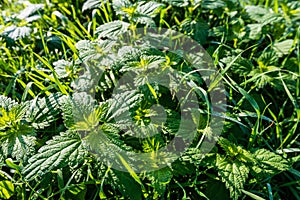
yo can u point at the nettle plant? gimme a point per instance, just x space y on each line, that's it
68 152
50 146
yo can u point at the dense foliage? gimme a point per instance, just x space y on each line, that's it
45 108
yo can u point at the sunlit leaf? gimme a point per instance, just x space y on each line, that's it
112 29
90 4
57 153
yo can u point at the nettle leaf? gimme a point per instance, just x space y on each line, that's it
18 143
193 155
30 10
91 4
67 111
177 3
62 150
261 15
6 189
150 8
197 29
112 29
95 57
241 66
63 68
15 32
269 162
120 6
120 104
96 52
295 159
235 152
217 31
32 18
270 18
141 12
256 12
144 20
81 112
84 107
254 31
212 4
283 48
43 111
144 63
87 82
233 174
262 79
268 58
105 141
77 191
160 178
7 103
16 136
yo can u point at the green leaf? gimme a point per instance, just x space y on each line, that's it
16 136
254 31
234 151
233 174
95 53
19 144
141 12
130 170
16 33
144 62
295 159
57 153
6 189
160 178
63 68
120 5
268 58
251 100
67 111
120 104
84 111
30 10
197 29
112 29
241 66
87 82
7 103
256 12
269 162
106 142
193 155
10 163
283 48
43 111
91 4
177 3
270 18
213 4
295 172
150 8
